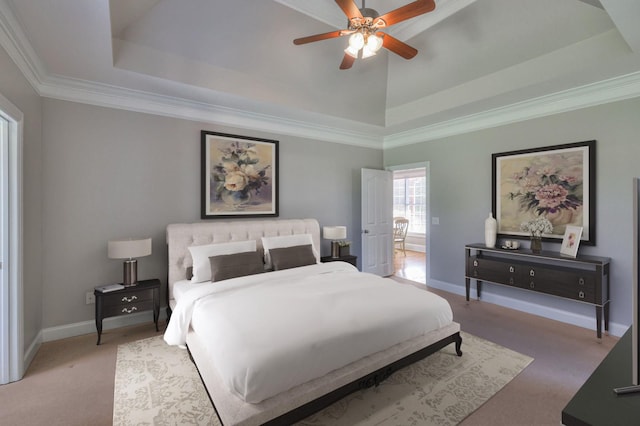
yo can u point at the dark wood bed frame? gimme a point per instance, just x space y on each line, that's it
372 379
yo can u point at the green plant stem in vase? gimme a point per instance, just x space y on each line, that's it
536 244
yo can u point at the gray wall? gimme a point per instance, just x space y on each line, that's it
461 195
109 173
19 92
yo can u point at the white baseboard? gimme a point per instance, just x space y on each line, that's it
572 318
416 247
87 327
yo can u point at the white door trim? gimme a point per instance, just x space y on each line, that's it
11 293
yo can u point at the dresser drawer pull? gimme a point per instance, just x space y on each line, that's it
511 281
581 295
581 281
475 263
532 285
129 299
128 311
532 273
511 269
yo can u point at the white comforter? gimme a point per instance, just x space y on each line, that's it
270 332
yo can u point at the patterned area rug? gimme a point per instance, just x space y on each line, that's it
157 384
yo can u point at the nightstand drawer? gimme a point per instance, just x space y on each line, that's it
132 297
127 308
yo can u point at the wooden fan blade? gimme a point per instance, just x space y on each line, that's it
349 8
318 37
405 12
347 62
396 46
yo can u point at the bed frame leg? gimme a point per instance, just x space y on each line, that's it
458 340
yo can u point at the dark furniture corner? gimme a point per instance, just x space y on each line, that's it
595 403
346 258
144 296
583 278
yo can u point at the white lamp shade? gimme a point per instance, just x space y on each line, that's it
129 248
334 232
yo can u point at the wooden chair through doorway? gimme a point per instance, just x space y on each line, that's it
400 226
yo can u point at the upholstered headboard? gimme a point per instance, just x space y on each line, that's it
180 236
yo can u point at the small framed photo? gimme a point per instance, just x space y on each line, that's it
571 240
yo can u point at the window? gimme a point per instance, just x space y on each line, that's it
409 198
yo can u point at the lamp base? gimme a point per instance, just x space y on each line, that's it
335 249
130 275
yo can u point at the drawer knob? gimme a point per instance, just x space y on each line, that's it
581 295
128 311
129 299
532 273
511 269
581 281
532 285
475 263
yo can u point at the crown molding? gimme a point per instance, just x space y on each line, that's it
104 95
606 91
14 41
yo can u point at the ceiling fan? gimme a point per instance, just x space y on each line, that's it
363 27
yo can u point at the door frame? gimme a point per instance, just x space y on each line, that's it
11 292
426 165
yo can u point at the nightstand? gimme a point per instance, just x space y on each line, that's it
348 258
144 296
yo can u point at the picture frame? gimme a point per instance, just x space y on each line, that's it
239 176
556 182
571 240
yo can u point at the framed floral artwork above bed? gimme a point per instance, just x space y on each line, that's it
239 176
555 182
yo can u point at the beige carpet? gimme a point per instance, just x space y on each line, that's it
157 384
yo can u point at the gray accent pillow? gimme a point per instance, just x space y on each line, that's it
226 266
292 257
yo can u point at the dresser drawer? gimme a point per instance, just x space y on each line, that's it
576 285
495 270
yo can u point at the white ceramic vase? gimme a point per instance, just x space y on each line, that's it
490 231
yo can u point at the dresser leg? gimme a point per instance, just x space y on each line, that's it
599 321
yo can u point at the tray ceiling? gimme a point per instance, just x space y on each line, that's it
233 62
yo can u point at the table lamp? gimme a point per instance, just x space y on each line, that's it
334 233
128 249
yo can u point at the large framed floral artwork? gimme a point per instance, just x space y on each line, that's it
239 176
553 182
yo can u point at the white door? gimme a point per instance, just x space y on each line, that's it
377 222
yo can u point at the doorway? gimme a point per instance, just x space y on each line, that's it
411 202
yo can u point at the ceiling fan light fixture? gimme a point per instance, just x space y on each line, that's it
374 43
351 51
356 41
367 52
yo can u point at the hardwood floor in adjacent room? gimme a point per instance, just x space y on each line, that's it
412 266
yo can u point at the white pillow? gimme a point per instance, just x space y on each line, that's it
286 241
201 255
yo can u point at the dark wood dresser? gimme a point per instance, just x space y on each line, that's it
583 278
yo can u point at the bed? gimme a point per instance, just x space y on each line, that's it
351 330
